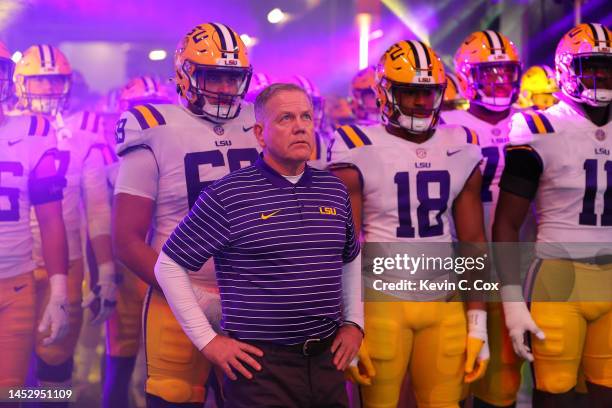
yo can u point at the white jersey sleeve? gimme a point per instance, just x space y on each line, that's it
133 127
96 196
138 174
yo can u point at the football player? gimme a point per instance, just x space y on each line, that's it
258 82
318 158
489 69
168 154
338 112
123 328
42 79
363 97
561 158
28 177
538 87
452 95
406 177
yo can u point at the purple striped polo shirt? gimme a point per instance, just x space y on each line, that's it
278 250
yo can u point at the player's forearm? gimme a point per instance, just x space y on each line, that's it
102 248
176 285
506 251
53 238
138 257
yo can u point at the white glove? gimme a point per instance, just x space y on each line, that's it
518 320
102 298
55 315
478 355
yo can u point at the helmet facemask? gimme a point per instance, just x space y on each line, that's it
415 108
216 92
46 94
6 78
495 85
590 79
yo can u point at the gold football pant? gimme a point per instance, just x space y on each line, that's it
176 370
502 379
63 349
429 338
124 326
577 331
17 320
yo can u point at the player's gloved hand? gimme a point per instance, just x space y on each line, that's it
519 321
478 355
361 370
102 298
55 316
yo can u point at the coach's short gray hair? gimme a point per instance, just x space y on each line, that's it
269 92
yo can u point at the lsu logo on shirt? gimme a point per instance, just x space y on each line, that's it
327 210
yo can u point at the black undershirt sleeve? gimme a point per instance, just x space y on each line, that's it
522 172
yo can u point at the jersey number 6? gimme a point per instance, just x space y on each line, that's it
214 158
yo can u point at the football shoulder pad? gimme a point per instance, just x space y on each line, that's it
353 136
134 126
528 127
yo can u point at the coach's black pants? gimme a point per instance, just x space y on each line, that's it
288 379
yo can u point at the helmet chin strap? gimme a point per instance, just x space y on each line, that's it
596 98
599 97
493 103
414 124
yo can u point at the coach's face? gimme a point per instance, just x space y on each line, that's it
287 132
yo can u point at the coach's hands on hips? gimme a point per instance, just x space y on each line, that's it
228 353
346 345
361 370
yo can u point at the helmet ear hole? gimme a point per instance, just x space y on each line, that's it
378 103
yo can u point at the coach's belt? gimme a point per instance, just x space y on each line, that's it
314 347
310 348
594 260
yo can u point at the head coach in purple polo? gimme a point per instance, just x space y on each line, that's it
287 265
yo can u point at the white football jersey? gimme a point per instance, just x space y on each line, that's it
408 188
24 141
318 157
408 191
493 139
80 161
190 153
574 196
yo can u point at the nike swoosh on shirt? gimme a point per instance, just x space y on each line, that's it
18 288
266 216
14 142
246 129
449 153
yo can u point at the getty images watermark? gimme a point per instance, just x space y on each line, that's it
556 272
425 266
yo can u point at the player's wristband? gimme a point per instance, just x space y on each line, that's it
58 286
106 272
348 322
